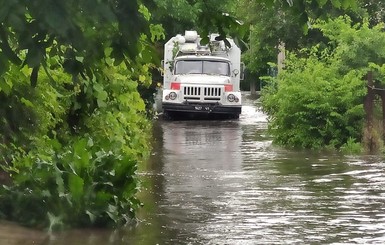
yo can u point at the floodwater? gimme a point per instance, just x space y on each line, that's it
223 182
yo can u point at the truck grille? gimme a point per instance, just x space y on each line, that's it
202 93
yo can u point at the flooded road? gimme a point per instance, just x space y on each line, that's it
222 182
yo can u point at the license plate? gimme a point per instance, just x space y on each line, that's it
202 108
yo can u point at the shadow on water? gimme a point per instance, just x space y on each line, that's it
223 182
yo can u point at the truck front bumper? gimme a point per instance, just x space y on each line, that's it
202 108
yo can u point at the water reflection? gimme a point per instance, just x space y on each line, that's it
223 182
197 156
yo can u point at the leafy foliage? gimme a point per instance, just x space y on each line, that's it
358 45
314 105
213 16
317 100
81 173
73 122
73 126
349 46
290 23
311 9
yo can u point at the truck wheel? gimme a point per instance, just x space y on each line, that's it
168 115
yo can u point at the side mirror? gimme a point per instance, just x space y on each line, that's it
162 68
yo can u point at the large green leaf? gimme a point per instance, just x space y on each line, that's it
81 156
76 186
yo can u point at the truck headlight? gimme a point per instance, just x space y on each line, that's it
172 96
232 98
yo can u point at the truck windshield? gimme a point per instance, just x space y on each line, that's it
202 67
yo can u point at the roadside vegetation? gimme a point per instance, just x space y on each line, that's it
331 49
76 84
73 125
317 100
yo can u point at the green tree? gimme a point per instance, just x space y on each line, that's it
205 16
287 22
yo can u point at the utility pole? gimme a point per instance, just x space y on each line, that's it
281 56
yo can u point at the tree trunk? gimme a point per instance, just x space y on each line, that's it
382 94
369 135
369 100
253 90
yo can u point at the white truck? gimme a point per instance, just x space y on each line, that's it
201 78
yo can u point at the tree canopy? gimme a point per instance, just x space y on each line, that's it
276 22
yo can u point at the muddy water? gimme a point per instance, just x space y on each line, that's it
222 182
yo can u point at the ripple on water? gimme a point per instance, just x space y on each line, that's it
337 208
253 116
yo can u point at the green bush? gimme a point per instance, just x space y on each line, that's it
352 147
73 126
313 105
82 145
317 100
